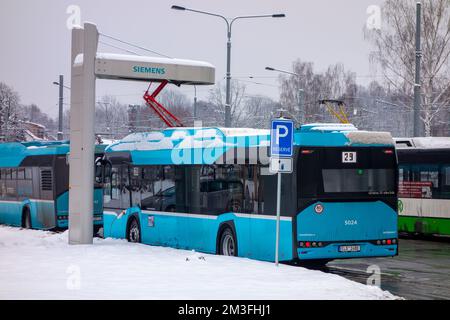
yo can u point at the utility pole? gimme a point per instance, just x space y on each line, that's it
61 103
300 106
195 103
417 86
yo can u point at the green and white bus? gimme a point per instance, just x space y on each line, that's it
424 185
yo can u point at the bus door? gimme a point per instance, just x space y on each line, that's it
125 195
116 193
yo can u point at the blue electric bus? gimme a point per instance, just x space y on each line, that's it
210 190
34 185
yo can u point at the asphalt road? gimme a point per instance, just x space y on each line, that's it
420 271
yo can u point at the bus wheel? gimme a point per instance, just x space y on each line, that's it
134 231
26 218
228 243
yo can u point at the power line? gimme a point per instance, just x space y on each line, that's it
134 45
120 48
257 83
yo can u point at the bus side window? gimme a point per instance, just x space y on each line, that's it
404 182
445 170
115 188
260 194
21 174
147 193
429 177
28 173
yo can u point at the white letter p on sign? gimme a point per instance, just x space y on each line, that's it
278 133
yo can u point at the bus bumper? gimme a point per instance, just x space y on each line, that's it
332 251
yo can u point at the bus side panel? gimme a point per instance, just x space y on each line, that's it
424 225
166 230
98 202
114 224
263 236
424 216
11 213
62 210
255 234
42 214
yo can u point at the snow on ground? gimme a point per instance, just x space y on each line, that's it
41 265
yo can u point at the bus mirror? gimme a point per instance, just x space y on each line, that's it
98 171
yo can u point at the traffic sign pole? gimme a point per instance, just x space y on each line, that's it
281 151
277 241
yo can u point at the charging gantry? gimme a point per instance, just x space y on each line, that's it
86 66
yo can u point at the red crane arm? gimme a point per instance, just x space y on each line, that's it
165 115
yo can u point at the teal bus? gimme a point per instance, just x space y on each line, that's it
210 190
34 185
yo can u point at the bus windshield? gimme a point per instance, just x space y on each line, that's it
371 181
328 173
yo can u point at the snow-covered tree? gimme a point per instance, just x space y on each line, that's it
217 97
10 129
334 83
395 52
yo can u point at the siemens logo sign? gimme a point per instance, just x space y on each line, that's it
149 70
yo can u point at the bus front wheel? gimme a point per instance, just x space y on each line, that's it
134 231
26 218
228 244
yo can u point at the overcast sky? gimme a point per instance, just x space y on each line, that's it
35 42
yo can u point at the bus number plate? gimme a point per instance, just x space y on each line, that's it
348 157
349 248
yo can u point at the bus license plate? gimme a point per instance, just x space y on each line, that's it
349 248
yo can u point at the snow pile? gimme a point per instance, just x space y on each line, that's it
165 62
334 128
143 141
328 127
432 142
41 265
370 137
235 132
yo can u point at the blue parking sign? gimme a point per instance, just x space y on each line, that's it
282 138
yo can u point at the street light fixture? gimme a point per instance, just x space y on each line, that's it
229 23
57 84
283 71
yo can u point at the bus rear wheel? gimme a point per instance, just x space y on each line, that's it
228 244
134 231
26 218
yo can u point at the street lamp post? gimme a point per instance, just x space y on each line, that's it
61 104
300 91
229 23
195 103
